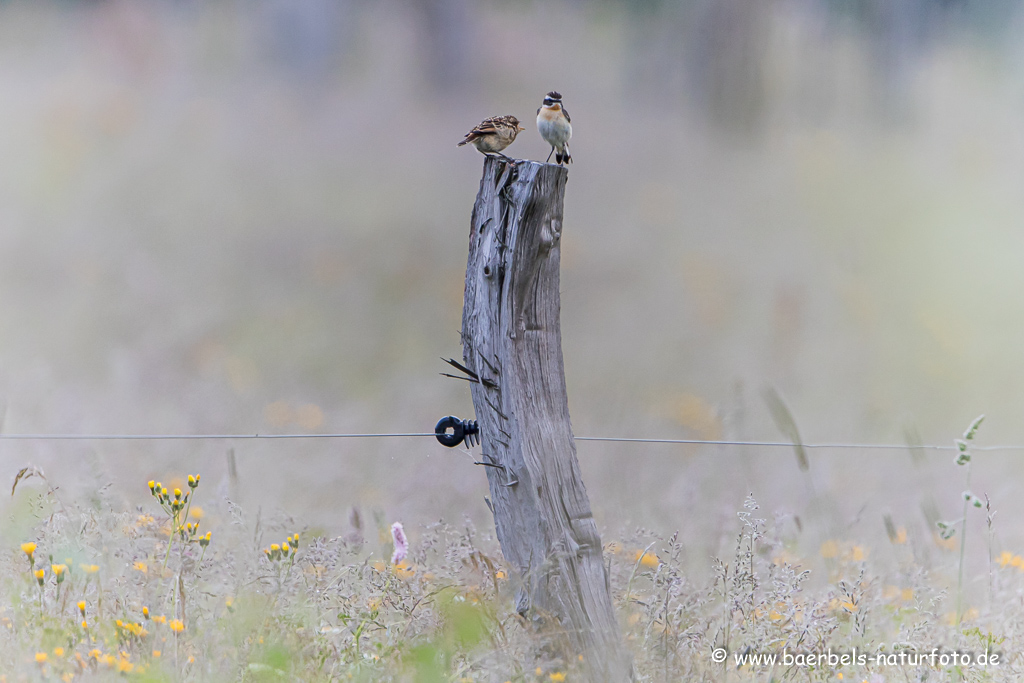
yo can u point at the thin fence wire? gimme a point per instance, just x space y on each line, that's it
610 439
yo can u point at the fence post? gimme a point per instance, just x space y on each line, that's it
512 341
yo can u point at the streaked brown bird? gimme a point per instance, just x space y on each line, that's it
494 134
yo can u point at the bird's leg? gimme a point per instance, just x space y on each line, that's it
549 155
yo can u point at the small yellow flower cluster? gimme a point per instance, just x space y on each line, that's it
1007 559
845 551
283 550
131 628
190 532
178 506
121 663
156 618
174 504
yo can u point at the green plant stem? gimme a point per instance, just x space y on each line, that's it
636 565
963 547
170 540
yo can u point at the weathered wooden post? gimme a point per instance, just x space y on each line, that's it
512 341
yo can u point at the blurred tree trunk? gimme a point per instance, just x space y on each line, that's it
512 341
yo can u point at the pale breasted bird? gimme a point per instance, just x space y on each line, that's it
494 134
553 124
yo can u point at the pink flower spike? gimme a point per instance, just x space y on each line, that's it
401 543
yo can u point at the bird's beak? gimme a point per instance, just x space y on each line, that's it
521 128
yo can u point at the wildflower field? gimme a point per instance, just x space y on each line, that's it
239 218
194 588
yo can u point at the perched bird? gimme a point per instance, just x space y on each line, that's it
494 134
553 124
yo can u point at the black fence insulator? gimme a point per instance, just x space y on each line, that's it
461 430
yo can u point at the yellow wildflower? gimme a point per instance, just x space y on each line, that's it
156 653
58 571
41 657
177 625
141 566
647 559
556 677
58 652
90 568
40 574
81 607
29 549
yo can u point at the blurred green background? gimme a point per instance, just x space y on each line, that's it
252 217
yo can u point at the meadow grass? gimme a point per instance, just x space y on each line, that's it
174 591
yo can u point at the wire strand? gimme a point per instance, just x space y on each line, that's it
164 437
610 439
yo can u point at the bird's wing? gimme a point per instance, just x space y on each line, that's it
485 127
566 114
